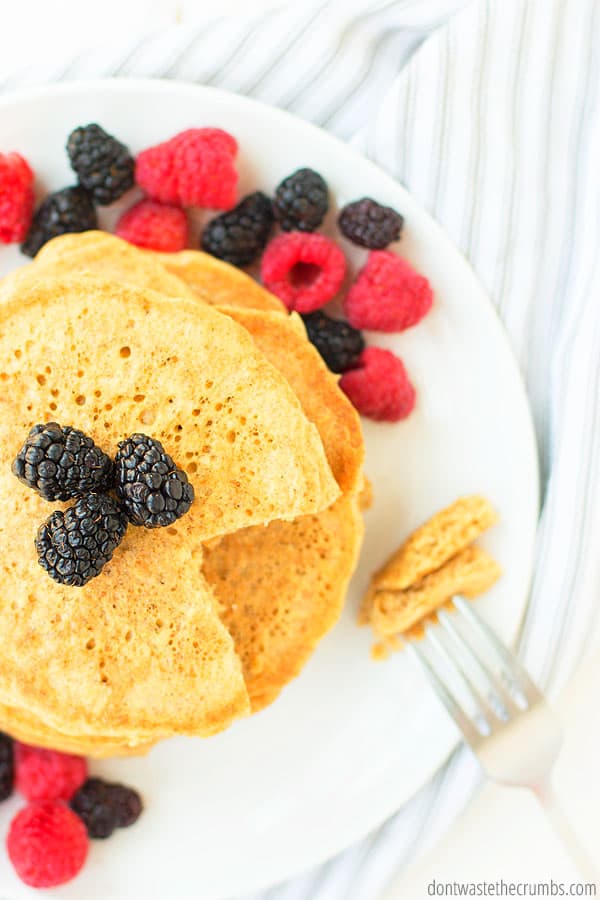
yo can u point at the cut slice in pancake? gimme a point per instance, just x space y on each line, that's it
105 256
137 650
284 343
281 588
140 648
218 283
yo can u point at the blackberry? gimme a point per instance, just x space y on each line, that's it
103 806
103 164
368 224
7 766
74 546
153 491
62 463
239 236
63 212
301 201
339 343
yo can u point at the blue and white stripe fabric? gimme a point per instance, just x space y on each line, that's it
489 112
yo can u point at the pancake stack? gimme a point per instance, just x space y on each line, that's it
188 627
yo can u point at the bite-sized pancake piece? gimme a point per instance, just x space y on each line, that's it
281 588
218 283
103 255
470 572
140 647
430 546
283 341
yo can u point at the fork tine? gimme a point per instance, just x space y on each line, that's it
471 734
500 695
513 667
484 707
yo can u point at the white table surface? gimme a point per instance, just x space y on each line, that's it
503 834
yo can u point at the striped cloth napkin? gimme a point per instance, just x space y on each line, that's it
489 112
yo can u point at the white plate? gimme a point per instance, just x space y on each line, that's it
350 740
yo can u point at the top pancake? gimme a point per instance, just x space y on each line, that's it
123 360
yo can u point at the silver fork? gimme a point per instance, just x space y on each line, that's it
502 714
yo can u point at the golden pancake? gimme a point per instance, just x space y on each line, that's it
105 256
218 283
114 360
276 615
139 649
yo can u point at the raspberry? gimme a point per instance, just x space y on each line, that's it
103 164
74 546
301 201
61 463
47 844
304 270
339 344
388 295
194 168
7 766
63 212
368 224
16 198
239 236
153 491
155 226
379 387
103 806
47 774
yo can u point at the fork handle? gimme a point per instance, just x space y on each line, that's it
563 828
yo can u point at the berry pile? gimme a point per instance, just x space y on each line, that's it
306 270
61 463
48 839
